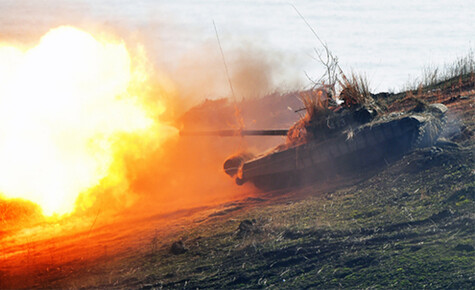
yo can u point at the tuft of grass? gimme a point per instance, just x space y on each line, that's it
318 104
452 73
355 89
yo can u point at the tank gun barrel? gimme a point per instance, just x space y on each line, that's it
235 133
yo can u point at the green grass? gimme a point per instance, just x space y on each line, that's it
402 228
408 226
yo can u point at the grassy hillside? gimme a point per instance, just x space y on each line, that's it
410 225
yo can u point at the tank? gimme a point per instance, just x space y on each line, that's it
339 142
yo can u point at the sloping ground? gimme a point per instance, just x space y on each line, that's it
410 225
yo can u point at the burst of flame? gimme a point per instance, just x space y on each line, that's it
64 104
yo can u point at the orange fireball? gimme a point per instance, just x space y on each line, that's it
65 107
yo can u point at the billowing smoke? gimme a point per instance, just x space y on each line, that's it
253 72
181 172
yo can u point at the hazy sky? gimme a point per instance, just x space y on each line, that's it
390 41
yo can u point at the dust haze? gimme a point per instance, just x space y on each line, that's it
183 172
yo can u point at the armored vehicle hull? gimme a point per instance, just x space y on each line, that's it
346 153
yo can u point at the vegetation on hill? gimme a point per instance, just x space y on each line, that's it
410 225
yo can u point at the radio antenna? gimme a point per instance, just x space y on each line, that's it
224 62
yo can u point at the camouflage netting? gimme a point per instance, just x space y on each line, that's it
324 115
318 106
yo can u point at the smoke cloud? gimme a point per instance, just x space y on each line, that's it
182 172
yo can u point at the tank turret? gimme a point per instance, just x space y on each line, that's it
333 141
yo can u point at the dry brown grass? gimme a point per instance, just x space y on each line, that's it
355 89
318 105
432 77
